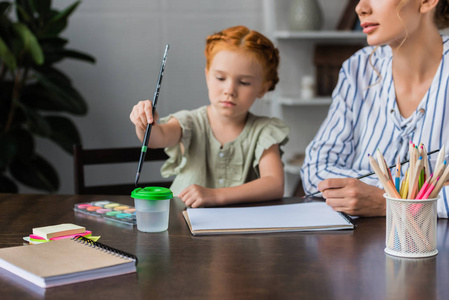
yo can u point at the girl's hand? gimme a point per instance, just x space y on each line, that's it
353 197
198 196
142 115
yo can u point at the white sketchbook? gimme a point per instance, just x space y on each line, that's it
259 219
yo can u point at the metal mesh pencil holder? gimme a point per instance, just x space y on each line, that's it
411 227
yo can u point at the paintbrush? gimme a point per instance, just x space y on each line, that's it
148 130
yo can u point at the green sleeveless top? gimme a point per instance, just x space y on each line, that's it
204 162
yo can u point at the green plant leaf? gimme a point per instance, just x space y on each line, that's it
58 21
15 144
35 172
64 14
78 55
43 8
53 43
31 37
30 43
53 74
63 90
25 142
4 6
26 6
64 132
25 12
5 102
54 51
24 15
36 123
53 29
52 57
7 56
38 97
8 150
7 185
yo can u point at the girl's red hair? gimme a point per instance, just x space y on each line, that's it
242 38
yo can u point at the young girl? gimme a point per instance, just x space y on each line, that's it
221 153
386 96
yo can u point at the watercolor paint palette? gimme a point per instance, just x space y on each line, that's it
108 210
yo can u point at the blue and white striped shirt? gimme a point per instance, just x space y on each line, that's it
364 117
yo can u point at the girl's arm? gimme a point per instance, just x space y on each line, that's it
162 135
269 186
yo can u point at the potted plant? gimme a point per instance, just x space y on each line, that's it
35 96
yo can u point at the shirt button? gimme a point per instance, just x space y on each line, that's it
221 154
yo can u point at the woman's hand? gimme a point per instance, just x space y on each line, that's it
353 197
198 196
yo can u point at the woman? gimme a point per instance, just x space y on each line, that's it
388 94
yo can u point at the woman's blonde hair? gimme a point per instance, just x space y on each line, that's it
442 14
255 43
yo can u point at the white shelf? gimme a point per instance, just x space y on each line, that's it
292 169
296 101
320 35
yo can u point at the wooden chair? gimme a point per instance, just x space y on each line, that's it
83 157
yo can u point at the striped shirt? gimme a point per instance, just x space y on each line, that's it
364 117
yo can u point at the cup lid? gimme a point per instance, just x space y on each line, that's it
152 193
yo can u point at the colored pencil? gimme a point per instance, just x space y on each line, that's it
429 190
413 184
423 189
439 185
372 173
386 183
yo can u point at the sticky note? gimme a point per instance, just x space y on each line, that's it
49 232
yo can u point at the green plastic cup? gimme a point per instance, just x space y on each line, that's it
152 208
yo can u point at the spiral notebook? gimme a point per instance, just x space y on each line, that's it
263 219
66 261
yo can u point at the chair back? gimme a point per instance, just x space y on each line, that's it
83 157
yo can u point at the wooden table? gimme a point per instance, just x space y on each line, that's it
176 265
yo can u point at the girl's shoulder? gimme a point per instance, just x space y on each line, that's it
262 121
200 112
188 116
265 132
267 126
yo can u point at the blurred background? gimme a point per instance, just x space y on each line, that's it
127 38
